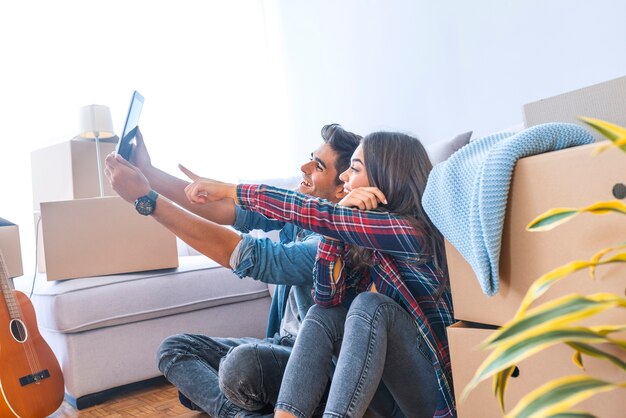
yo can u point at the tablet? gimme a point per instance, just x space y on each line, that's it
125 144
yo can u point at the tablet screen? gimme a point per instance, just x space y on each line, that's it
125 145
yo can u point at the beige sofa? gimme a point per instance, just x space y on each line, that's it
105 330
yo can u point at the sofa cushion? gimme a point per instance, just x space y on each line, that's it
441 150
76 305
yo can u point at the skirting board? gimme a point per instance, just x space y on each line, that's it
92 399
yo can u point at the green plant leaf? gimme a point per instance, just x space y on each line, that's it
500 380
552 314
533 330
614 133
555 217
577 359
609 329
590 350
559 395
542 284
597 258
506 355
551 219
572 414
604 145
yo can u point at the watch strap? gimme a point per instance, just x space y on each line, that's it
152 195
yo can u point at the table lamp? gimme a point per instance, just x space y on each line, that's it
95 122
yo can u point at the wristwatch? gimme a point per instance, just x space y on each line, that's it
145 205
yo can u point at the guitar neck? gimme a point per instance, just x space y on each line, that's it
7 290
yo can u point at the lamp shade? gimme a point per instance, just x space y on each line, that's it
95 121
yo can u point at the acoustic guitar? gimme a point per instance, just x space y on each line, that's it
31 382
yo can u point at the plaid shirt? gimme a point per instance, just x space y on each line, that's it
398 267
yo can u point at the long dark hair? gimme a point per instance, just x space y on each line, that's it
398 165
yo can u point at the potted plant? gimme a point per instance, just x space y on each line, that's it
534 329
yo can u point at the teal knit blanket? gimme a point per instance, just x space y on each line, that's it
466 195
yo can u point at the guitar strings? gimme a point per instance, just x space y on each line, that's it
13 305
29 345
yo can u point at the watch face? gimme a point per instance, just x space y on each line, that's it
145 205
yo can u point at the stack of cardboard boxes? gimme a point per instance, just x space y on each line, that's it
105 330
570 178
82 234
10 249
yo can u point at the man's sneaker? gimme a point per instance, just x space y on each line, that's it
187 403
247 414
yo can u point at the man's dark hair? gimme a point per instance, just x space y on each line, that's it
343 143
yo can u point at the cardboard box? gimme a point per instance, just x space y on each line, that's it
99 236
533 372
10 248
69 170
605 101
566 178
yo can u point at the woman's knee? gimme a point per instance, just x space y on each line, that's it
370 302
330 320
334 314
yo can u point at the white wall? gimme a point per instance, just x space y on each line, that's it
438 68
202 66
241 89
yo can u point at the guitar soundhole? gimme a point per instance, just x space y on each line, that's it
18 330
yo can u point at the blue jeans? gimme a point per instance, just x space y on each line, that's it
225 377
378 341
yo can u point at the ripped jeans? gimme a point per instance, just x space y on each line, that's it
226 376
231 377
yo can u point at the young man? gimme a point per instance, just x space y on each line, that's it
229 377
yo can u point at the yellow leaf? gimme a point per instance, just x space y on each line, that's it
553 314
598 256
607 129
593 351
500 380
559 395
577 358
614 133
555 217
542 284
572 414
551 219
608 329
621 143
509 354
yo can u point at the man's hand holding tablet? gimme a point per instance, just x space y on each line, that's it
125 144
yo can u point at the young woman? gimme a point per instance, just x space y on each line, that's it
380 285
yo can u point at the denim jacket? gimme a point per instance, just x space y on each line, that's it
285 264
